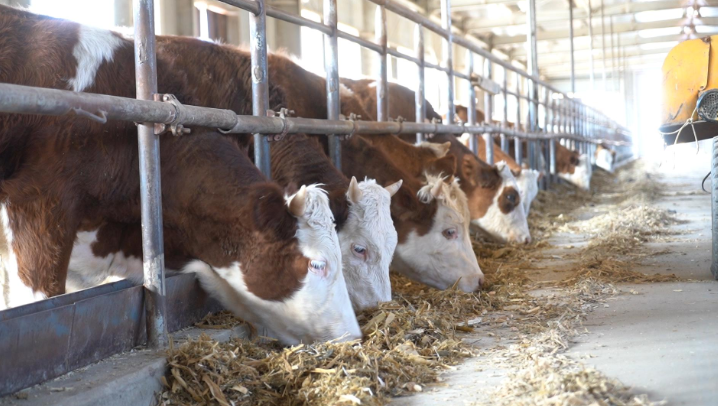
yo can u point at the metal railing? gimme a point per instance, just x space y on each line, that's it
564 117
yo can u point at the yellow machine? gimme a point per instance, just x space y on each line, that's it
690 78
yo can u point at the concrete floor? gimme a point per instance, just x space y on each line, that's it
660 339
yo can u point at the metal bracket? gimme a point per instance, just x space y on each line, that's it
175 127
353 117
283 114
485 84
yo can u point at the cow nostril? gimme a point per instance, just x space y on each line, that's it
527 240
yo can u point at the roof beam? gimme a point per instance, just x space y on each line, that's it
618 28
561 16
563 47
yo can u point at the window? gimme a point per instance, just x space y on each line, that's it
212 22
96 13
312 45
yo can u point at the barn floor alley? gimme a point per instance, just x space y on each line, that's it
657 338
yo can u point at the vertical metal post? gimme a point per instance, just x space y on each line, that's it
573 62
471 113
552 160
532 67
260 84
547 130
714 208
153 254
382 100
420 100
448 57
518 153
331 67
489 113
603 46
590 45
504 138
613 53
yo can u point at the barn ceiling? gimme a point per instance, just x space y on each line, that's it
634 32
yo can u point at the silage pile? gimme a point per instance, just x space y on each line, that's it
408 342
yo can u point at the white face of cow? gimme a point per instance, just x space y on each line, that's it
320 310
368 239
443 255
604 159
527 182
511 226
581 176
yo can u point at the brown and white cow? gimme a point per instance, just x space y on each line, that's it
526 179
481 183
273 257
605 157
430 217
572 166
361 213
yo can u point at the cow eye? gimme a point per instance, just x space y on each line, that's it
450 233
511 197
359 250
316 265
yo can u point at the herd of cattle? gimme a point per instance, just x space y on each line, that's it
297 255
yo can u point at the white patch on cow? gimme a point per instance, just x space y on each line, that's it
434 259
372 84
440 150
87 270
511 227
604 159
320 310
581 176
527 182
345 91
13 291
368 240
94 46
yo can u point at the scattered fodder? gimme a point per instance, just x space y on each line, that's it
544 376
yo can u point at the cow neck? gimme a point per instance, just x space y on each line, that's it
300 160
411 159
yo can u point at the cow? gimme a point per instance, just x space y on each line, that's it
401 100
526 179
434 243
361 212
605 157
492 192
481 183
268 253
571 166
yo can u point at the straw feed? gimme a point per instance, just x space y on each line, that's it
408 342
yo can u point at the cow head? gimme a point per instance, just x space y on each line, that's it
581 173
605 159
494 200
442 254
368 239
527 181
308 256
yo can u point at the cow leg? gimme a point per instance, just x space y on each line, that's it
35 249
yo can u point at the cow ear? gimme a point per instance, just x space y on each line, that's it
269 211
394 187
468 169
516 173
297 202
354 194
490 177
445 166
465 138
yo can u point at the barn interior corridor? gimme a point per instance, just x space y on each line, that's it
654 334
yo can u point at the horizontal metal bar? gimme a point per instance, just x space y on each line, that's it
253 7
31 100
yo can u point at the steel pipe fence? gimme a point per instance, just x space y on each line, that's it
564 118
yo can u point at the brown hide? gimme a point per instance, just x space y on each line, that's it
300 160
401 100
361 159
462 113
411 159
479 180
64 174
